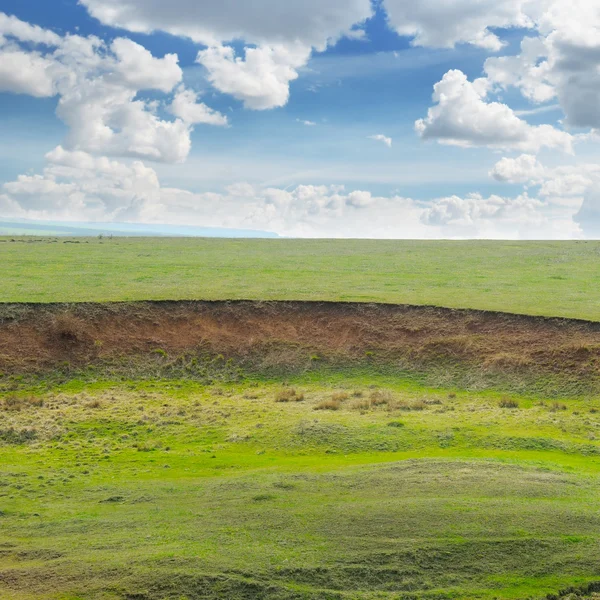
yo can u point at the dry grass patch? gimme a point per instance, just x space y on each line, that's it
508 403
385 398
16 403
289 395
418 405
379 397
433 402
329 404
505 361
334 402
557 406
68 329
361 405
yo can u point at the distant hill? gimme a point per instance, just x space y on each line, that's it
71 229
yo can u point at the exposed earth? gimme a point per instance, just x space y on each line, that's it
470 349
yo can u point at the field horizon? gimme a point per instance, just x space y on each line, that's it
558 279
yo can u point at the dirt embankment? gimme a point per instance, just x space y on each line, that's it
298 335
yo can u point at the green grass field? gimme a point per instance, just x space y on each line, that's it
538 278
174 490
154 476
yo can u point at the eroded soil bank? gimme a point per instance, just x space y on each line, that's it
456 347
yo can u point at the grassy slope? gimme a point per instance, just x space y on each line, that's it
540 278
175 490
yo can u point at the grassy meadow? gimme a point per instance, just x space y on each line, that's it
155 475
538 278
342 489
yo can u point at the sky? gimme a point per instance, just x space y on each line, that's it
345 118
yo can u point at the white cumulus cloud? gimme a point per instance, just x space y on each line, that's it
135 67
78 186
75 185
26 73
462 116
98 86
522 217
440 23
565 185
11 26
522 169
382 138
561 62
279 37
261 78
271 22
185 105
101 90
588 216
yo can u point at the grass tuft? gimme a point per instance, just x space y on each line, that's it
379 397
17 403
362 405
66 328
508 403
329 404
288 394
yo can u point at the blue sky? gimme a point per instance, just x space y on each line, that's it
343 92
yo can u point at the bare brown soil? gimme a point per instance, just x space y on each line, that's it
35 338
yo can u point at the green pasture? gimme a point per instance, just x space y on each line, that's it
537 278
352 489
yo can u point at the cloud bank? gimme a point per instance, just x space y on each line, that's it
122 106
